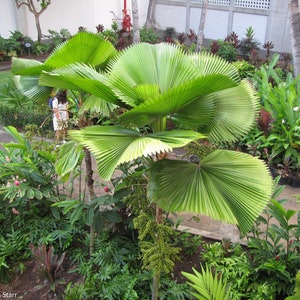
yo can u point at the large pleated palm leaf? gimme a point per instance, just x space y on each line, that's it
85 48
203 96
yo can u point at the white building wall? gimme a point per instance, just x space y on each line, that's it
68 14
215 23
242 21
278 28
271 25
166 17
7 19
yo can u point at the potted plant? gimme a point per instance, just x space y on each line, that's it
295 178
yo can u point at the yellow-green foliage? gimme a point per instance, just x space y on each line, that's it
158 254
207 286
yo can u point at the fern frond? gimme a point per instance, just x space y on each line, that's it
207 285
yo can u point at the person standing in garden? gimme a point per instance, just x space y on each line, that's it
60 116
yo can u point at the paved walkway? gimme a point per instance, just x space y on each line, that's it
205 226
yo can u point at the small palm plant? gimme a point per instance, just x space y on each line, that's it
207 286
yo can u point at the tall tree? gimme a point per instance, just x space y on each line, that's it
294 18
200 36
149 21
136 22
35 11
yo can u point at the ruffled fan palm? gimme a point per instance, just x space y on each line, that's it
201 95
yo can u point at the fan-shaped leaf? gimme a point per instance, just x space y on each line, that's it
114 145
84 47
177 98
230 186
68 158
79 77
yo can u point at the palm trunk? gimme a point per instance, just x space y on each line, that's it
201 26
156 279
155 288
136 22
294 17
149 21
91 192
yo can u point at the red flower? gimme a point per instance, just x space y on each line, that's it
17 182
106 189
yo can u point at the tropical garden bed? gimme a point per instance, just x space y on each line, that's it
120 245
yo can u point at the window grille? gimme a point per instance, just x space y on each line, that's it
255 4
215 2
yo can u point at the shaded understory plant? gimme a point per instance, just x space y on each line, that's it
275 246
49 265
264 269
207 285
114 271
28 187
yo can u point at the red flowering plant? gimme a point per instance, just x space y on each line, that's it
27 177
281 103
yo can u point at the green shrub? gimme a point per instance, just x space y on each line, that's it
227 51
21 118
245 69
249 43
148 35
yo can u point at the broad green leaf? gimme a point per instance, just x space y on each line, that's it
112 216
23 66
230 186
67 205
114 145
55 212
13 132
84 47
38 194
98 221
207 63
163 65
70 155
178 98
97 105
89 216
79 77
29 86
235 114
30 194
207 285
76 214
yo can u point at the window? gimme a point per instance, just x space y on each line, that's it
256 4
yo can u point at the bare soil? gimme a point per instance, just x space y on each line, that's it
33 285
